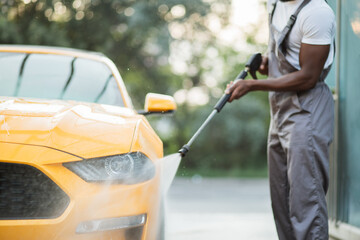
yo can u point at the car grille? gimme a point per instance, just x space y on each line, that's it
27 193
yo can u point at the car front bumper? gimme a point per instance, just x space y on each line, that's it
93 211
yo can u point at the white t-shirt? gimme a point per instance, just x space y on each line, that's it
314 25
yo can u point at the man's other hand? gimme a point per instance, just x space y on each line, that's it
263 69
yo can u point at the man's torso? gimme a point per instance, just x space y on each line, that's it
315 24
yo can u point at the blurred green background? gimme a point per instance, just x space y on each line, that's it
186 48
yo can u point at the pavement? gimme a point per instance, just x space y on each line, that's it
216 208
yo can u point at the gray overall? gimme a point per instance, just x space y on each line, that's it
300 133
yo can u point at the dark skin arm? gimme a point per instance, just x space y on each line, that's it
312 59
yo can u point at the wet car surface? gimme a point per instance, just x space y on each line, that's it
76 160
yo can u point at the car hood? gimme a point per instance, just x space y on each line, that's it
82 129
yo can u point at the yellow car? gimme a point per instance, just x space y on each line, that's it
76 160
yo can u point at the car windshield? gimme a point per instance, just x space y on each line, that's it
53 76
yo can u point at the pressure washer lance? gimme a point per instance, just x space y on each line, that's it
251 67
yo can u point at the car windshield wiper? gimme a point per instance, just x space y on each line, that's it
21 72
104 88
69 78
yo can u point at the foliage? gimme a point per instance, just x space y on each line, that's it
134 34
148 40
235 138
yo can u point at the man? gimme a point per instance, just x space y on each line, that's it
301 51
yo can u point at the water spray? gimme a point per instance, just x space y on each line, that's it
251 67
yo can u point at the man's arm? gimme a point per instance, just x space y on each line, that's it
312 59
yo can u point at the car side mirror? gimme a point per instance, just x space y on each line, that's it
158 103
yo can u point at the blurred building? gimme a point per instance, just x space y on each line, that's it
344 193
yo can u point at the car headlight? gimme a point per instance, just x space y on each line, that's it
128 168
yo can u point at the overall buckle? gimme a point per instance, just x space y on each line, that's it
291 21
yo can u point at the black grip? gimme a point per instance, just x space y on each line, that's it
252 65
254 62
222 101
242 75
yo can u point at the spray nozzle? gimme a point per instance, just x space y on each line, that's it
184 150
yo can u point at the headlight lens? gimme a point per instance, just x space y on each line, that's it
126 168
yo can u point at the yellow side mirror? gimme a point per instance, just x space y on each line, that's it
159 103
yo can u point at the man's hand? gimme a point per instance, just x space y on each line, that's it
263 69
312 59
241 87
237 89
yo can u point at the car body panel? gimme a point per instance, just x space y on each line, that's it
65 126
45 134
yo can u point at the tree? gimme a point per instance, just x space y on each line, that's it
135 34
165 46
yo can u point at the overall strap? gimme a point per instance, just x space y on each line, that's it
293 17
272 12
290 24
